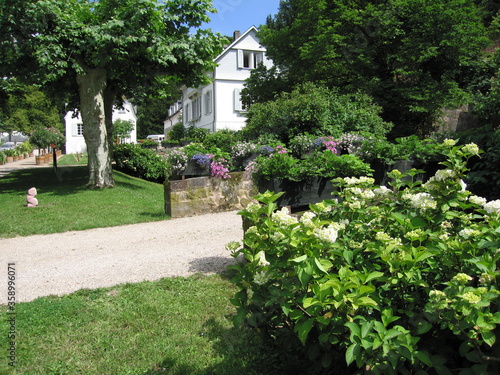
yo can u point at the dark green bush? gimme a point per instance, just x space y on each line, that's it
484 176
140 162
315 110
223 139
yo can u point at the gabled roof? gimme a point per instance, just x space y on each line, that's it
236 41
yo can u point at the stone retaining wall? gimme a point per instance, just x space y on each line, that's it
203 195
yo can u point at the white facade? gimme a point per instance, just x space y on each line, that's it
174 116
75 143
218 105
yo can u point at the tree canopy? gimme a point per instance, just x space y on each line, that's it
106 49
28 109
407 54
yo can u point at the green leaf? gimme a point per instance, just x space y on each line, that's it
303 329
352 353
488 337
423 357
373 275
309 302
423 326
299 259
355 330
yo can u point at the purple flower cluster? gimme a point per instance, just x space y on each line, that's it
220 169
266 150
203 160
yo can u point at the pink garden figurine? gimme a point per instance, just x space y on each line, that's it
30 198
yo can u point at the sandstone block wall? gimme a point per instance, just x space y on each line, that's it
202 195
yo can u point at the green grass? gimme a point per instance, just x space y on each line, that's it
175 326
66 204
72 159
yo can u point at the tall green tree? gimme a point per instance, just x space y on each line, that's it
28 109
106 49
407 54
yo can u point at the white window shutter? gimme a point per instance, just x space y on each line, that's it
258 58
237 100
240 58
74 129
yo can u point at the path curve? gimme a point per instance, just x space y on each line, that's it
62 263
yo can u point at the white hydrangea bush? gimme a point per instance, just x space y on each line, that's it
416 261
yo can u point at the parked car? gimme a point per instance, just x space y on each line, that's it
7 146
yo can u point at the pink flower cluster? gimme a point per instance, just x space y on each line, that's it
281 150
330 144
220 169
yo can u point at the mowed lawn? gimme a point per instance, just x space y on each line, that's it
66 204
177 326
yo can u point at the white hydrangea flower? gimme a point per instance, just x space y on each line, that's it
283 218
306 219
253 229
462 278
328 234
471 297
444 236
443 174
382 191
437 294
360 180
262 259
253 207
492 206
277 236
261 278
480 201
414 234
382 236
468 232
449 142
354 205
471 148
463 185
422 201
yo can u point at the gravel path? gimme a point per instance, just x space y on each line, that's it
66 262
63 263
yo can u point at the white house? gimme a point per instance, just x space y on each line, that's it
174 116
75 143
218 105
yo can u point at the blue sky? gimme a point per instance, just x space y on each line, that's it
240 14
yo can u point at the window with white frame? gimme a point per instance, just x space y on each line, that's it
249 59
196 108
188 113
238 104
208 102
79 129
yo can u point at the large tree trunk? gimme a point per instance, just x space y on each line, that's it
91 88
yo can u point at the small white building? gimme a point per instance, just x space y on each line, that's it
218 105
75 143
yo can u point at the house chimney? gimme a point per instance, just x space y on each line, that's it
236 35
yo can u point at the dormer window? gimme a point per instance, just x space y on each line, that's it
249 59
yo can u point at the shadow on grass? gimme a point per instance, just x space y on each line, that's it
68 180
245 352
65 181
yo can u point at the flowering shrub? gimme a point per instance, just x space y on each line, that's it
177 160
399 279
203 160
242 149
220 169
